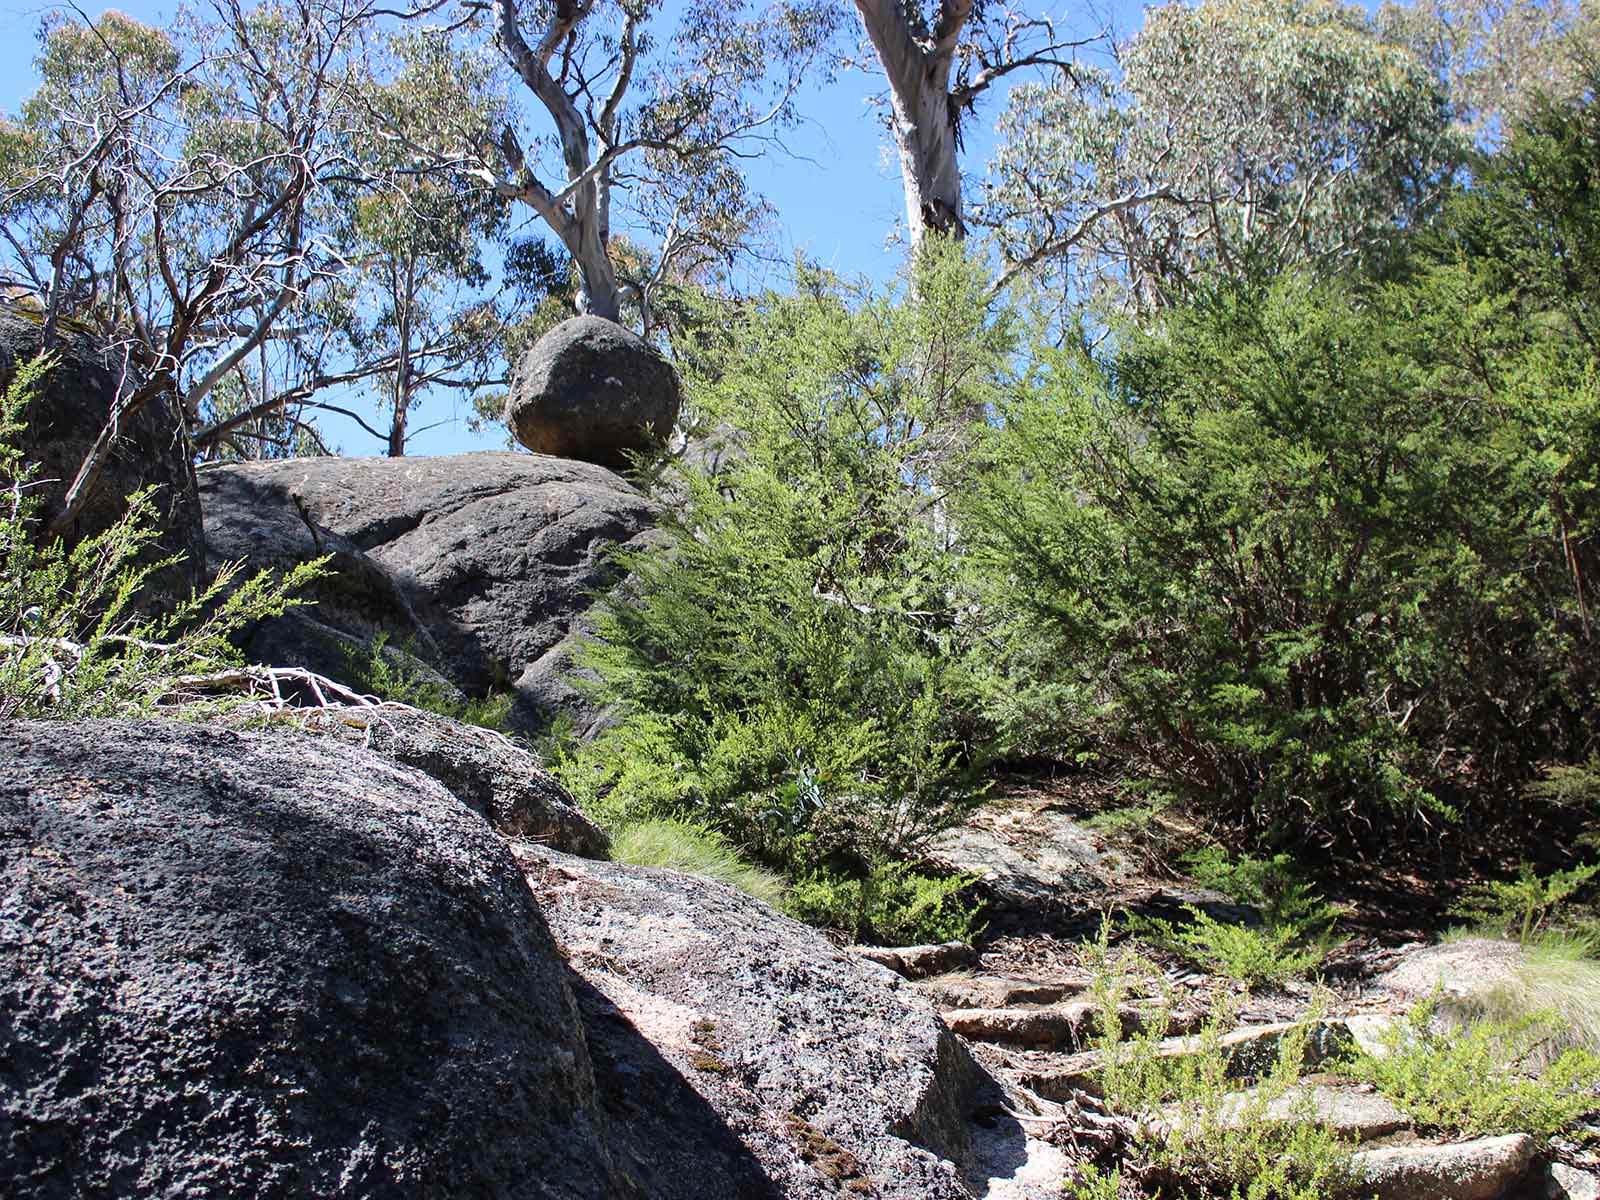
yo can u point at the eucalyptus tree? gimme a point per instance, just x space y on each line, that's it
630 117
164 187
222 200
1499 58
1237 135
938 59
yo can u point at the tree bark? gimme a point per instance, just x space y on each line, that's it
926 115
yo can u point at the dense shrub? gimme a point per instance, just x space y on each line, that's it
1314 551
1483 1080
793 665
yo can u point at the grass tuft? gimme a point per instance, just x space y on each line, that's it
694 850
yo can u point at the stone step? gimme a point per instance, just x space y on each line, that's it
1484 1169
1357 1112
1251 1051
918 962
1070 1026
957 990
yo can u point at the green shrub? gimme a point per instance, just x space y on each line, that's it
1312 553
681 846
1194 1132
1282 545
1291 941
891 905
793 665
72 643
376 669
1520 907
1480 1080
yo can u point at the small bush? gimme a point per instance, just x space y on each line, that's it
1521 907
893 905
1290 943
1195 1134
793 665
1481 1080
71 642
680 846
376 669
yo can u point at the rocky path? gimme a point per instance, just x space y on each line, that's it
1022 1002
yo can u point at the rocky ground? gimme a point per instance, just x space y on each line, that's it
1021 999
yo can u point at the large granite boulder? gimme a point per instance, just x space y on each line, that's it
151 448
490 774
836 1073
477 565
591 389
255 964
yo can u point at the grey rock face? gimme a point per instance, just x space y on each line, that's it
151 450
834 1071
496 779
254 964
1026 855
479 564
590 389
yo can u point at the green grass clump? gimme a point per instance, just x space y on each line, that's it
681 846
1480 1080
1557 973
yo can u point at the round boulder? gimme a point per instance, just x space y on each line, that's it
590 389
253 964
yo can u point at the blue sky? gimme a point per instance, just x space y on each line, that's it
837 194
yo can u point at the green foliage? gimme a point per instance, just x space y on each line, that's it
1272 885
1257 957
792 666
1523 905
72 641
1196 1134
1239 136
378 669
1477 1081
1291 941
1303 550
693 850
892 905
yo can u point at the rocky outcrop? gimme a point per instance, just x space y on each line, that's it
254 964
1026 854
591 389
837 1075
479 564
497 779
151 448
263 963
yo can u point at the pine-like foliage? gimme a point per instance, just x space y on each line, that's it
72 642
1320 553
792 663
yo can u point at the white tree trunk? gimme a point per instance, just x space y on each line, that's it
582 228
925 119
